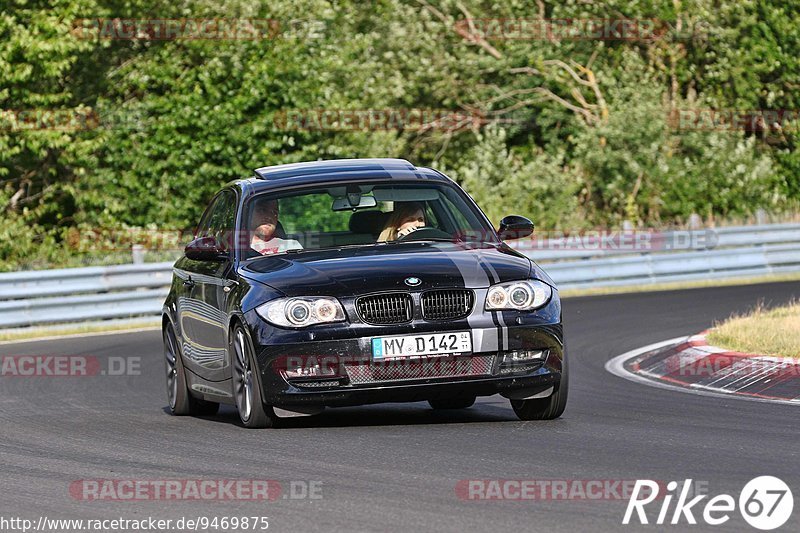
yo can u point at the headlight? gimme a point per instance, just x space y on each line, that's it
518 295
301 312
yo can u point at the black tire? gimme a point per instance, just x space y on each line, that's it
546 408
247 384
180 400
459 402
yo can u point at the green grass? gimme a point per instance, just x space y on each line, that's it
762 331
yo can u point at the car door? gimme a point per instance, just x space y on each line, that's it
202 297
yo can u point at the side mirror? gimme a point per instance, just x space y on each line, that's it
205 249
514 227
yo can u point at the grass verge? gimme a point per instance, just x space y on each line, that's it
763 331
76 330
679 285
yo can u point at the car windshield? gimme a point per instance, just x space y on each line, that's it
359 215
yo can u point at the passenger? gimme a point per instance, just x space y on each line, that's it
406 218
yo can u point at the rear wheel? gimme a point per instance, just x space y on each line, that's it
545 408
181 401
246 385
461 402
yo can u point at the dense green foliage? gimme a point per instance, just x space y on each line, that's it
574 133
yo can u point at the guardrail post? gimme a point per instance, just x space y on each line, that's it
138 252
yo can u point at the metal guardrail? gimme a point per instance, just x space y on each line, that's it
96 293
664 268
595 245
42 283
82 294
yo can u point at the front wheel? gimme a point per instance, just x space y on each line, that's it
545 408
246 385
181 401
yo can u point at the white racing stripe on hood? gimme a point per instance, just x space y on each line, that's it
478 277
494 278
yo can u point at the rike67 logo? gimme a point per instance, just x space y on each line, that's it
765 503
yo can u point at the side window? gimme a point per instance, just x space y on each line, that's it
202 226
219 219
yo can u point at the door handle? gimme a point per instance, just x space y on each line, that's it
188 283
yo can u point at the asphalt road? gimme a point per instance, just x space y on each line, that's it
396 466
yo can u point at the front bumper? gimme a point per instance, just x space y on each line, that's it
352 377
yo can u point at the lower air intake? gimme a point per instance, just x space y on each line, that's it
420 368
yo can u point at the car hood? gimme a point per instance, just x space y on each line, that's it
358 270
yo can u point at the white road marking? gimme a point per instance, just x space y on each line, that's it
616 366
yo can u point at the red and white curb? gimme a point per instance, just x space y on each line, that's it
690 364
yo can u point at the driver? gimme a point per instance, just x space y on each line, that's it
406 217
263 224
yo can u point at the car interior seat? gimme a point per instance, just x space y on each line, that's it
368 222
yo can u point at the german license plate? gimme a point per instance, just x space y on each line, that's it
459 342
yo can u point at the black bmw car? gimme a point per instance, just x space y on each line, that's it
348 282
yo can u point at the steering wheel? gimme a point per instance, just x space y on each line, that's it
425 232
